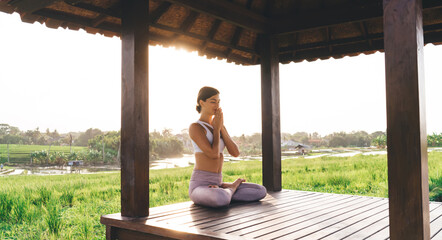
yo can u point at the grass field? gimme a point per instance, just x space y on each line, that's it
69 206
22 153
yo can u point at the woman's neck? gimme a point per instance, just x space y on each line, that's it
206 118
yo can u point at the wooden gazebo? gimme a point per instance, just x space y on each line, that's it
265 32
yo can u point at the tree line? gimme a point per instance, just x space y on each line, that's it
251 145
104 146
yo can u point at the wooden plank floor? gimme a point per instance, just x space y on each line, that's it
288 214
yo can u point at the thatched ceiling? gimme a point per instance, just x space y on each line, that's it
230 29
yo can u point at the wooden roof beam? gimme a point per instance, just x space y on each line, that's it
99 20
189 21
187 24
327 17
235 39
212 32
229 12
324 53
197 36
95 9
365 33
48 13
328 37
432 34
237 58
30 6
330 43
92 8
157 13
337 15
295 40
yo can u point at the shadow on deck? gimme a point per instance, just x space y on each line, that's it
288 214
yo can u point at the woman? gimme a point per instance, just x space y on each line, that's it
209 137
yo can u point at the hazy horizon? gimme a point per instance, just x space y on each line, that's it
177 132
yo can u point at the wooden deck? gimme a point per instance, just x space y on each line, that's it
287 214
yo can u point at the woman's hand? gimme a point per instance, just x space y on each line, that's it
218 120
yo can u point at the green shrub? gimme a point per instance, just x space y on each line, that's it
40 156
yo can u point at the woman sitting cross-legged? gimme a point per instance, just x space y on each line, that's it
209 137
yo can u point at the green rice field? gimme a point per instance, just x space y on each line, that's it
22 153
70 206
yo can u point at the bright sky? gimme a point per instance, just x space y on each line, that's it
71 81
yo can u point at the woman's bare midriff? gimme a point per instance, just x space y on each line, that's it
204 163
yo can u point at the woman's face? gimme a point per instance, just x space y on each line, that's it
210 105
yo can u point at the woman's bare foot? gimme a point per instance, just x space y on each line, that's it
233 185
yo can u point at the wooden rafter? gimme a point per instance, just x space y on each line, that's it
167 41
235 39
189 21
351 12
187 24
212 33
323 53
98 20
105 17
329 43
57 15
229 12
327 17
30 6
365 33
328 38
180 31
368 37
92 8
200 37
155 15
306 52
295 40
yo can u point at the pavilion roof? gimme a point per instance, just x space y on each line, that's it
230 29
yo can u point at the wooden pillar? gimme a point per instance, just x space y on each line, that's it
406 124
271 130
134 109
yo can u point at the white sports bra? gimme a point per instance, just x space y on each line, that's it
209 136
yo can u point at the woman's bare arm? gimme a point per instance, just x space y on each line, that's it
197 134
232 148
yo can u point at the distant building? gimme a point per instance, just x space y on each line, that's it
290 144
303 149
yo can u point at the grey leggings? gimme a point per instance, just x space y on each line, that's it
200 193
